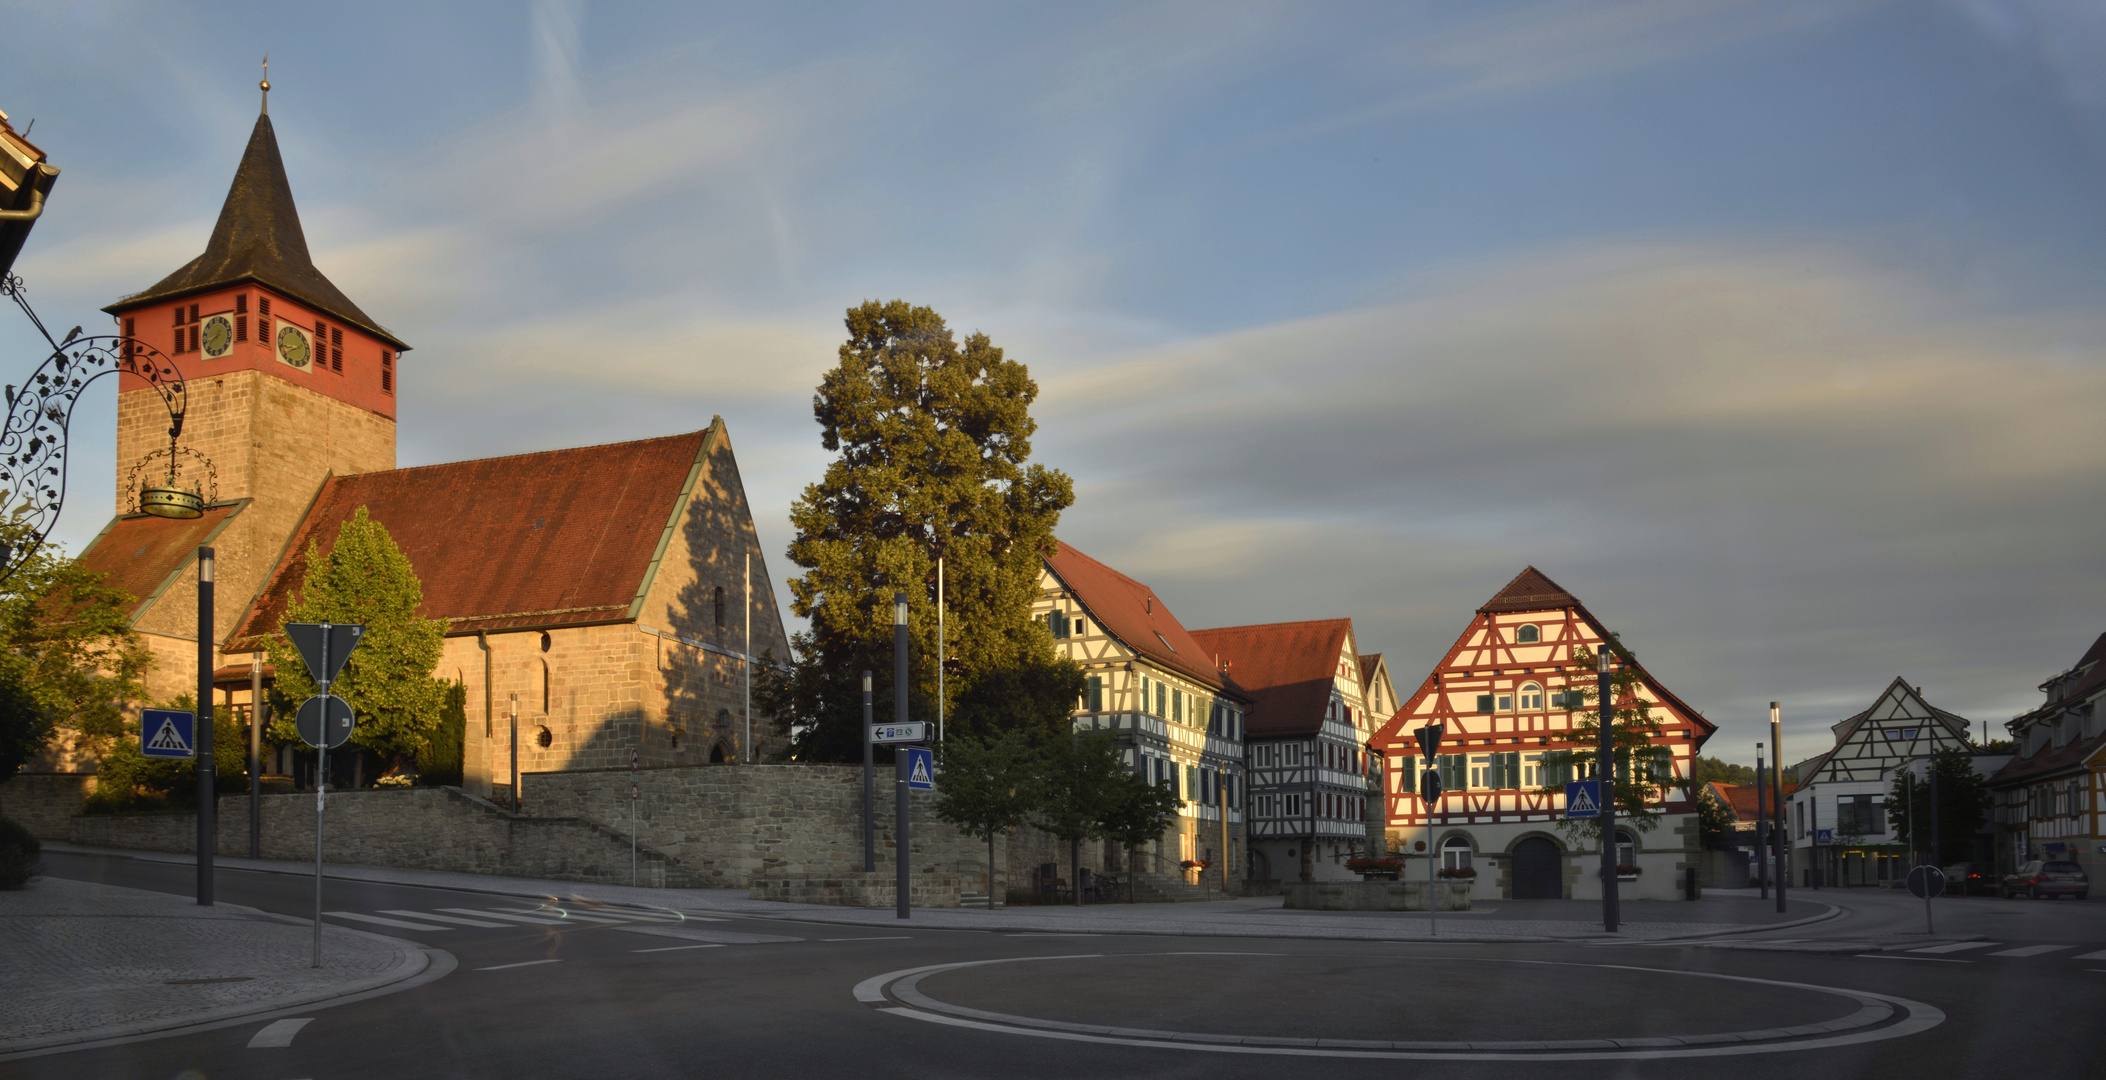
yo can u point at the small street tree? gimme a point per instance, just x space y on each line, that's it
1081 784
68 655
1138 813
990 785
1963 806
365 578
1643 772
933 441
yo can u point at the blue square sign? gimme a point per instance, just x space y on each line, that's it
921 768
1583 799
166 733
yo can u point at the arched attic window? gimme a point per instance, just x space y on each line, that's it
1529 634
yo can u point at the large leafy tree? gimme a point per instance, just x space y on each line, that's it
1643 770
68 655
1963 805
933 441
364 578
1138 813
989 787
1082 785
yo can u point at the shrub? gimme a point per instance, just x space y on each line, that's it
127 781
20 855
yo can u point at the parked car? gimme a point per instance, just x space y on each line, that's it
1969 879
2040 878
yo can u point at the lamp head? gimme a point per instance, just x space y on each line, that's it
899 609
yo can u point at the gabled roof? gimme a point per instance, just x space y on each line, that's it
2075 755
1741 799
1288 669
258 239
1130 611
1368 662
560 538
1531 590
1903 696
143 555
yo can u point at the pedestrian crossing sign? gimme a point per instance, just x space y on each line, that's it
1583 799
167 733
921 768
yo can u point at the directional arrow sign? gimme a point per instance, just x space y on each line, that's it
167 733
319 640
911 731
325 721
1926 882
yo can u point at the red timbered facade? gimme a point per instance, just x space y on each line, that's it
1506 693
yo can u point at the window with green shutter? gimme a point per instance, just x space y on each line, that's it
1161 700
1484 703
1096 693
1455 772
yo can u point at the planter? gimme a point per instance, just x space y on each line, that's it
1379 875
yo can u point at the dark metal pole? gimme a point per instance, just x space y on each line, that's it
1935 856
256 756
321 792
1762 827
899 758
869 787
1605 769
1778 833
207 834
515 753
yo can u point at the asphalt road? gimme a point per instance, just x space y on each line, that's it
740 996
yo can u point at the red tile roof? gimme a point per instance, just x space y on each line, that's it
1131 612
142 554
1288 669
1367 666
1531 590
1740 799
561 538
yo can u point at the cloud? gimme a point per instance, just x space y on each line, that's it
1786 471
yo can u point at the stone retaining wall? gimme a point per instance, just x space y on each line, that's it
879 890
1373 895
43 802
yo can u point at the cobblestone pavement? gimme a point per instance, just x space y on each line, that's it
83 961
1243 917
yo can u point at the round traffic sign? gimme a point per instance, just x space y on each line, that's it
325 721
1927 881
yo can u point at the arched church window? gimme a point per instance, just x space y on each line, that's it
718 603
1529 634
1626 849
544 738
544 686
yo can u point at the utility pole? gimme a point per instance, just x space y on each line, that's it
206 833
1605 769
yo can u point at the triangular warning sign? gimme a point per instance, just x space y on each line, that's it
168 738
1581 802
920 773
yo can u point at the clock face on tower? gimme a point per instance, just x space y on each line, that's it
218 337
293 347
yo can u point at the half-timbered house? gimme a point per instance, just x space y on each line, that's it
1508 695
2051 795
1838 820
1176 714
1306 744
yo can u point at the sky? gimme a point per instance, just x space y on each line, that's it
1772 330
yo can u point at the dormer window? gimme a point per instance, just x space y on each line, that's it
1529 634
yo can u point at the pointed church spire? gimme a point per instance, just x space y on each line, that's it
258 239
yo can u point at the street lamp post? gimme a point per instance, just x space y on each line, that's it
1762 827
1778 832
869 788
206 834
899 760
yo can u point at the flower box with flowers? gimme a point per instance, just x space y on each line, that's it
1628 873
1464 873
1375 867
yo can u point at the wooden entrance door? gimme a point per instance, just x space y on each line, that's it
1539 870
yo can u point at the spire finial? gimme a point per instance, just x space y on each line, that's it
266 84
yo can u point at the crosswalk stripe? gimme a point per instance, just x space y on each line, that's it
449 919
565 915
1959 946
278 1033
494 915
2100 955
398 923
2033 950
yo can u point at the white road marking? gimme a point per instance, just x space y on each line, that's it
279 1032
377 920
677 948
896 937
514 918
523 963
2033 950
450 919
1051 934
1918 959
1959 946
2100 955
566 916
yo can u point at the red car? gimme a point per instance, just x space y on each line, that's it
2039 879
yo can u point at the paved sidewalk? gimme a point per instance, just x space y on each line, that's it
84 962
1550 920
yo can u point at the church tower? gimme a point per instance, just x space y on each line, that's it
287 382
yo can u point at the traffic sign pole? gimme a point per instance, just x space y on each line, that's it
1605 771
869 788
321 785
632 817
324 722
1429 796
